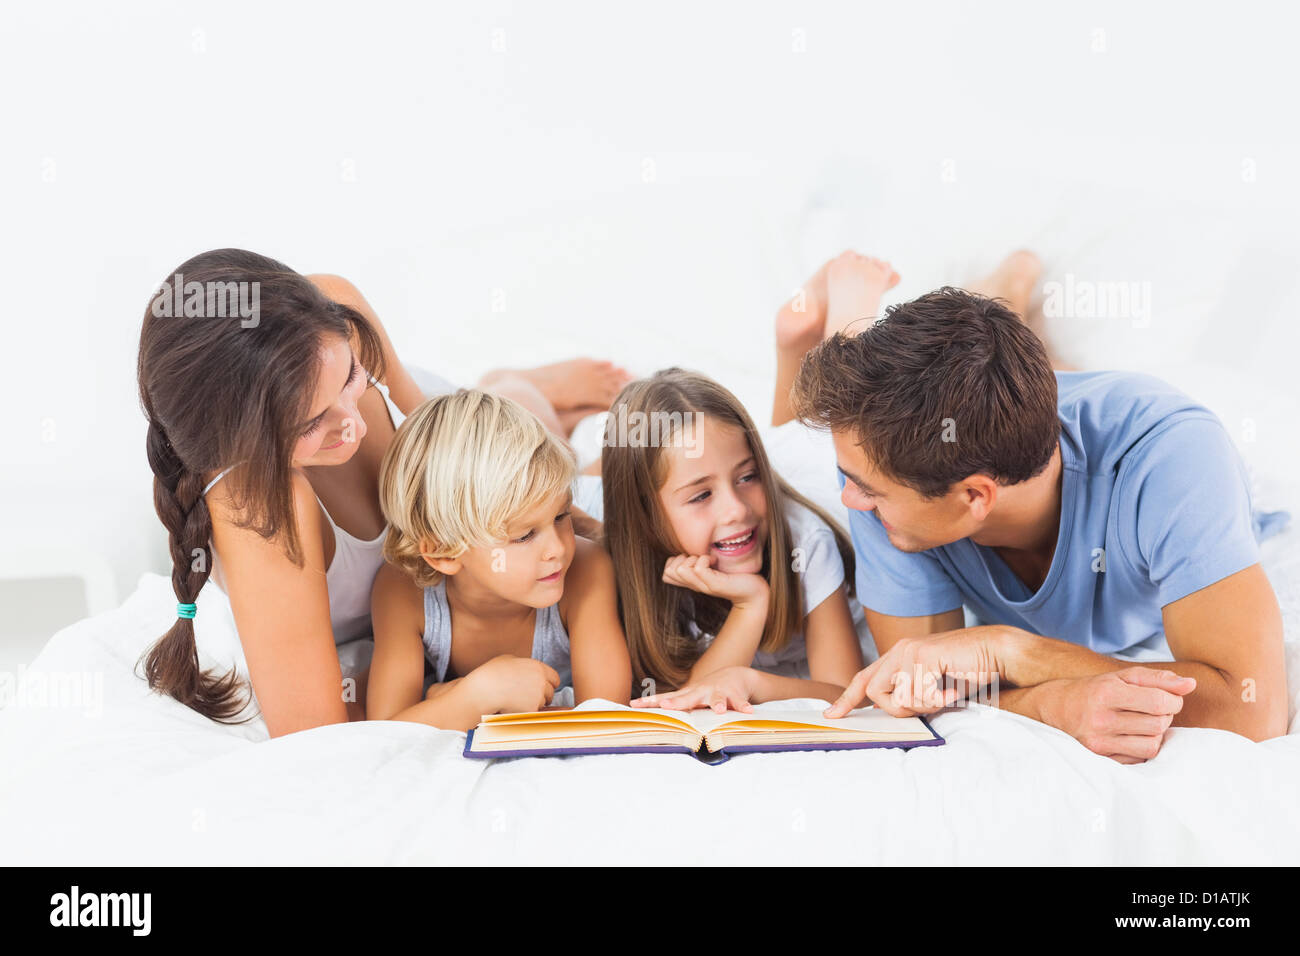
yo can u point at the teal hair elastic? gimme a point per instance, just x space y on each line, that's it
186 610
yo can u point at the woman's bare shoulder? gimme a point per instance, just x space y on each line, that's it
228 526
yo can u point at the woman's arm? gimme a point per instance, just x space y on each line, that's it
834 654
597 645
282 615
405 393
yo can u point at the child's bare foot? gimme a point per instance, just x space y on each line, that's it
854 285
800 322
570 417
576 383
1013 281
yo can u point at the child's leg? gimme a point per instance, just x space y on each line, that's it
528 395
563 394
581 384
844 290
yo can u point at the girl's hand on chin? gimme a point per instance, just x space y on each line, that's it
697 573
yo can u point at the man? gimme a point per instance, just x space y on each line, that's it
1078 515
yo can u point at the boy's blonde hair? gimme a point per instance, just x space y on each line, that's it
459 470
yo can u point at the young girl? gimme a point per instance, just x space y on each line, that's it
486 580
726 575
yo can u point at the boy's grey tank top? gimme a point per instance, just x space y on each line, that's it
550 639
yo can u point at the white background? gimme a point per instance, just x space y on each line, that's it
645 182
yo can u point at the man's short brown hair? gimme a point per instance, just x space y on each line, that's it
943 387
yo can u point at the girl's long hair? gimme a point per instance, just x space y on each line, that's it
221 388
656 616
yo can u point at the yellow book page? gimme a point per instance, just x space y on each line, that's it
534 732
866 720
551 718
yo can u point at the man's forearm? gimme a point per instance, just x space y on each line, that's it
1026 659
1026 701
1037 667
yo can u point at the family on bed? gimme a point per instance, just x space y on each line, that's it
1080 517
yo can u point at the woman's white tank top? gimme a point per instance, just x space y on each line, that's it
351 573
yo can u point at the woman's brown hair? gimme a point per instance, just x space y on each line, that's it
222 387
656 616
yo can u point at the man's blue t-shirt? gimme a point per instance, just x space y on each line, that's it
1155 504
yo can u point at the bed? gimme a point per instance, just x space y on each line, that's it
98 770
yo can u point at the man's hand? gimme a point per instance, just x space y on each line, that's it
1122 715
909 678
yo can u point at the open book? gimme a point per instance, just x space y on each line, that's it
603 727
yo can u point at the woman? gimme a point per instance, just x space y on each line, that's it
265 439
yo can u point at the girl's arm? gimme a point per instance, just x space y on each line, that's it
405 393
834 654
282 615
737 688
597 645
737 640
773 687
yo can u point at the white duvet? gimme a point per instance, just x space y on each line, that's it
108 773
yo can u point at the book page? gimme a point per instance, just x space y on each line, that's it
865 719
595 709
869 720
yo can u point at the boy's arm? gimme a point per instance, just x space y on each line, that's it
598 653
394 690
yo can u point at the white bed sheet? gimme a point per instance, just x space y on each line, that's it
130 777
127 777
